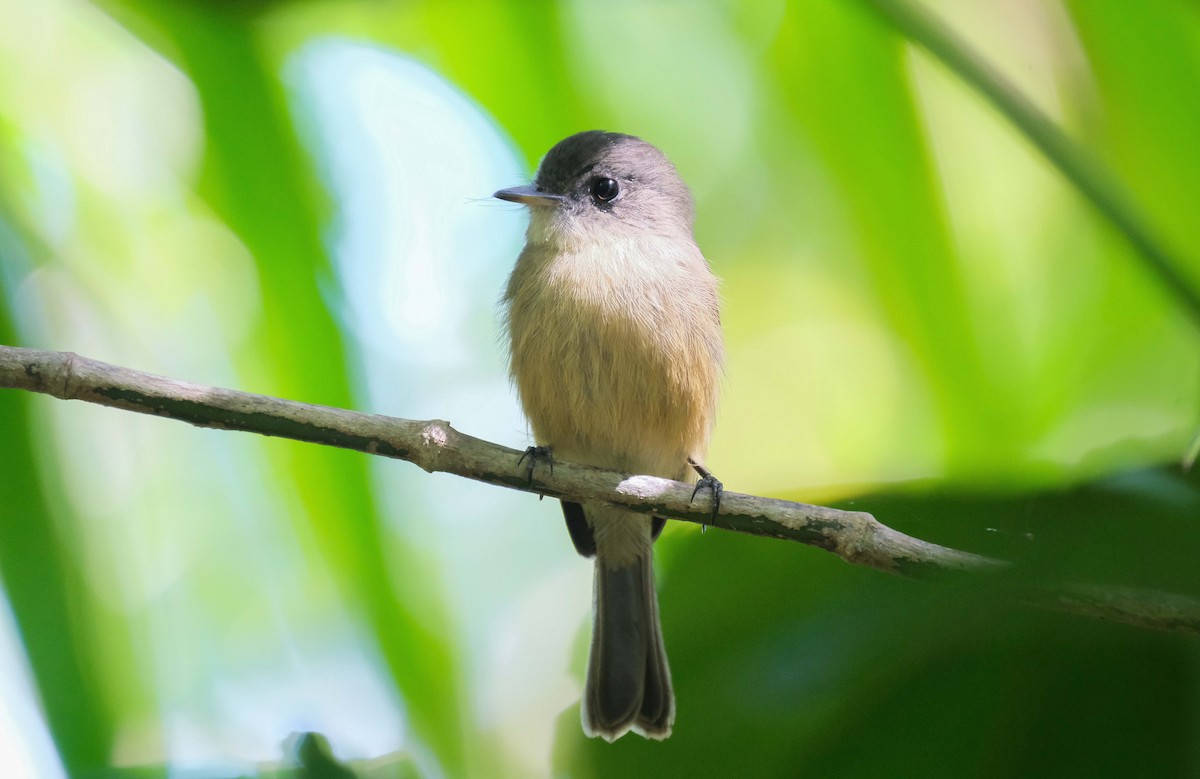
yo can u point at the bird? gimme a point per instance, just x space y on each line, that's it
613 324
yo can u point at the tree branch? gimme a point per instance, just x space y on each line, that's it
855 536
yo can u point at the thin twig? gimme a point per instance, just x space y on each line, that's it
855 536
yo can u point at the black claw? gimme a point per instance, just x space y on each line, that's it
713 484
535 453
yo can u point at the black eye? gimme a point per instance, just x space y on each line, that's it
604 189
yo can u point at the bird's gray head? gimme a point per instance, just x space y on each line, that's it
594 183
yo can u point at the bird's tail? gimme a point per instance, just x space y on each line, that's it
628 681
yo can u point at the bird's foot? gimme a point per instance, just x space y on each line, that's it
713 484
534 454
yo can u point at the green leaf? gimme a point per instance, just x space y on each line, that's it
42 582
257 178
1092 179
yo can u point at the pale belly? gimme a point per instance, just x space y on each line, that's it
614 391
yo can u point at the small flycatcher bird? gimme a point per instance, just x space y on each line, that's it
616 353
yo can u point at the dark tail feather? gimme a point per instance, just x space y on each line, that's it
581 532
657 714
628 680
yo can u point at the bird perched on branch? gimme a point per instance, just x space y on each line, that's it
616 353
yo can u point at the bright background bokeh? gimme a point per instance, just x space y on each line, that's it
924 319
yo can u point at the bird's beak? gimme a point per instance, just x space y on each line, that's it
530 196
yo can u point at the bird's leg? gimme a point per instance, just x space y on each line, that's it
709 481
535 453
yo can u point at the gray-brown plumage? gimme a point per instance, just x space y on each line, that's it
616 354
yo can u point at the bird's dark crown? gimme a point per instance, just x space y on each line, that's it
651 190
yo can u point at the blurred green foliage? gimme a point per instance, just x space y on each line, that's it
45 594
809 666
914 297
